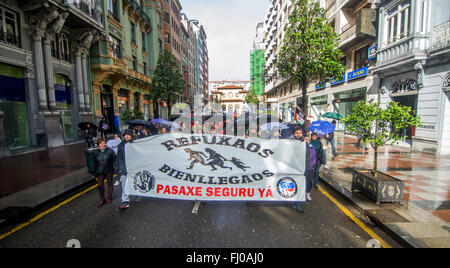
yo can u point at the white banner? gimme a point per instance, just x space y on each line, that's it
216 168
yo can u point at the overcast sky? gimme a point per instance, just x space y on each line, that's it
230 27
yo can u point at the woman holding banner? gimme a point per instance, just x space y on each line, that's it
104 159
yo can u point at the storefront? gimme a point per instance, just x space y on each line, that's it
63 99
319 106
344 102
14 107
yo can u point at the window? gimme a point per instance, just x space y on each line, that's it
114 45
144 47
9 32
133 33
60 48
145 68
361 57
397 22
113 9
166 17
135 64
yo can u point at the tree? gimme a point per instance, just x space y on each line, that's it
251 97
168 83
378 126
310 50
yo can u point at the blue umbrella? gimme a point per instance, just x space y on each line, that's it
322 127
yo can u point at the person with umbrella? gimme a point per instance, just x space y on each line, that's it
330 140
103 127
91 134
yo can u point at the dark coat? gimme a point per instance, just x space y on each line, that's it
104 162
120 159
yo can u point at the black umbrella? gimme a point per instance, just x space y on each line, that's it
139 122
83 125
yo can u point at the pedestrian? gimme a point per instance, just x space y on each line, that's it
117 125
298 136
91 135
315 142
103 127
330 140
104 159
121 167
310 166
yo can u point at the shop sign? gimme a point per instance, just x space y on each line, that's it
335 82
372 54
321 85
358 73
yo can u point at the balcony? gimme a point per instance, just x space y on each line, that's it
138 76
361 28
90 9
441 35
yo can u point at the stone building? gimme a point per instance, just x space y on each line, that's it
44 71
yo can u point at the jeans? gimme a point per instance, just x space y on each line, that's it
333 147
309 180
125 197
101 190
316 176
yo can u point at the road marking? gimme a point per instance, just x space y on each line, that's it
354 219
23 225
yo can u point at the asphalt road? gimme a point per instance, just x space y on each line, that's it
155 223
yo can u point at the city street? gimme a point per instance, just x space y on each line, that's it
171 224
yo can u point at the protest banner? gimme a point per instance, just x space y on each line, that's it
216 168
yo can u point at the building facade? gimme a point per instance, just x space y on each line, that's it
121 62
413 64
44 71
355 23
257 61
231 98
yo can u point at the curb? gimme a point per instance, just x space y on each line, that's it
395 236
26 213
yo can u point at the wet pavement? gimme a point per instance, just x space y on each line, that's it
21 172
424 218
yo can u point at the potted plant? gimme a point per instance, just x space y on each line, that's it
379 126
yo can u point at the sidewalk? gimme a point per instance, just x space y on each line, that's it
30 180
424 218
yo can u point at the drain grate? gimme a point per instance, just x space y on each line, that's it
386 215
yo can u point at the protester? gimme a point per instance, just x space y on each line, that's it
103 127
121 167
91 135
145 133
330 139
163 130
117 125
114 143
298 136
315 142
104 159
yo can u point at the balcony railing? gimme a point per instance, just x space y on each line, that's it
90 8
441 35
9 39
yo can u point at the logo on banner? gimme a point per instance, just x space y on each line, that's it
144 181
287 187
213 160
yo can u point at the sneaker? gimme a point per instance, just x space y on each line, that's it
299 208
326 167
116 183
308 197
101 203
124 206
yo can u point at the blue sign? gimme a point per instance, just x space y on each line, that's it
321 85
358 73
372 54
335 82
